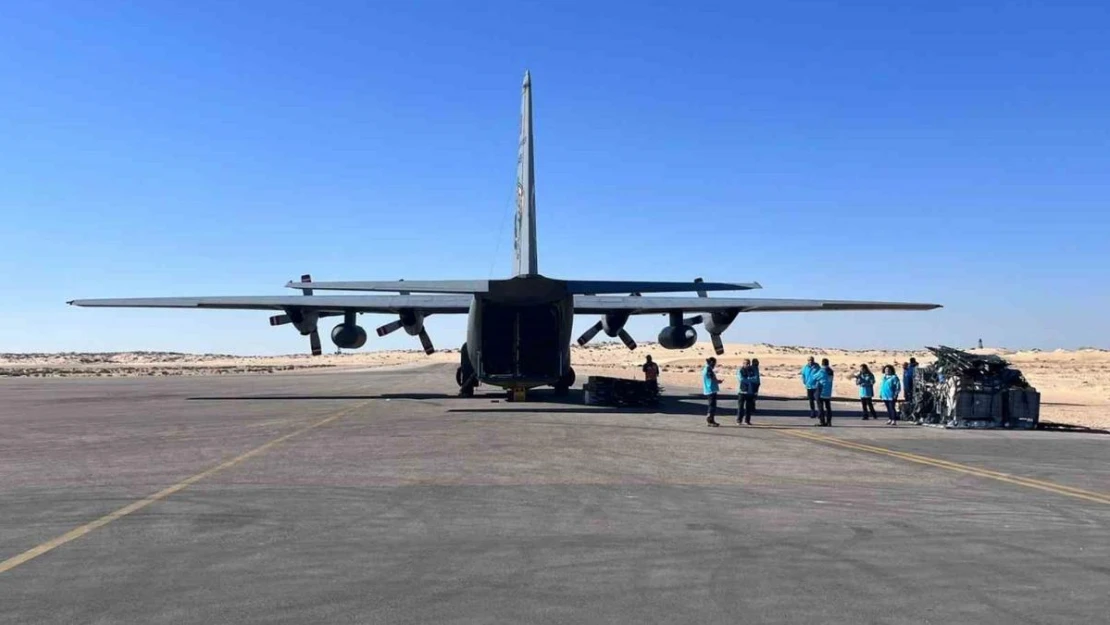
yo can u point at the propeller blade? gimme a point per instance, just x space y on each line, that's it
280 320
314 342
701 292
626 338
693 321
306 278
392 326
589 335
426 341
718 344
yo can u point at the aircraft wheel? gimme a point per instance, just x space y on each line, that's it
459 376
562 387
466 391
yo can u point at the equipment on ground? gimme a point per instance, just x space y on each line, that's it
965 390
605 391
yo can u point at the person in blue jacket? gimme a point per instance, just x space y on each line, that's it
710 385
824 382
908 370
865 380
888 392
809 370
745 404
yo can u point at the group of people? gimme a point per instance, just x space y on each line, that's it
747 376
818 382
889 389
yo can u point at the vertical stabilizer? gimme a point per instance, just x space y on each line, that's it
524 241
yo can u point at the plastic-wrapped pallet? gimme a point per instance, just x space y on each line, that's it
606 391
1022 408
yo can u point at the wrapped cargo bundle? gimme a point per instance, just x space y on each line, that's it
605 391
971 390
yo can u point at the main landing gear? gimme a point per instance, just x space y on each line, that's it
562 387
465 376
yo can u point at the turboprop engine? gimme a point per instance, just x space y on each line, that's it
678 337
413 323
305 320
613 325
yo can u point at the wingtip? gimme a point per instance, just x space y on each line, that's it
527 78
70 302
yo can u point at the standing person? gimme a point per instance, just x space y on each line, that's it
710 385
908 370
745 399
755 387
824 379
865 380
651 372
888 392
809 370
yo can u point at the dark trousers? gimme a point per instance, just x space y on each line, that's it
868 406
824 410
811 395
755 396
891 413
712 411
745 408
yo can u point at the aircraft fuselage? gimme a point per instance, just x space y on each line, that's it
519 333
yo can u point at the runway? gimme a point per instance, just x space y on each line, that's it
381 497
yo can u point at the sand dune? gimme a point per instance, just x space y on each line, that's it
1075 384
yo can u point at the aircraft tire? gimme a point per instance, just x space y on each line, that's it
562 387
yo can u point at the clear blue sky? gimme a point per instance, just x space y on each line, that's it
949 152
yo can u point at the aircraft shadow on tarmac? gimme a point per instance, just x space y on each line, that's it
541 401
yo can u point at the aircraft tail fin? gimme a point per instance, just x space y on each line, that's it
524 241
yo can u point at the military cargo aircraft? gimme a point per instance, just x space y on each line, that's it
519 329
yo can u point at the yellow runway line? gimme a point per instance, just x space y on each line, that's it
135 506
1052 487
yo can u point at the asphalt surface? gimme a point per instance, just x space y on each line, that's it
381 497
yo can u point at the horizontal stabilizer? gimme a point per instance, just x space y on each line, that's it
602 287
399 286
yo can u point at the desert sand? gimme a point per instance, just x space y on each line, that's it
1074 385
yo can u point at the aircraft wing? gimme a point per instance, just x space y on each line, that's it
635 305
428 304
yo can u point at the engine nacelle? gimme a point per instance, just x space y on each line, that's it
678 337
303 320
411 321
718 322
348 336
613 323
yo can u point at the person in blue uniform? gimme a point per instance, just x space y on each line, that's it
710 386
888 392
908 370
824 383
745 404
808 371
865 380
